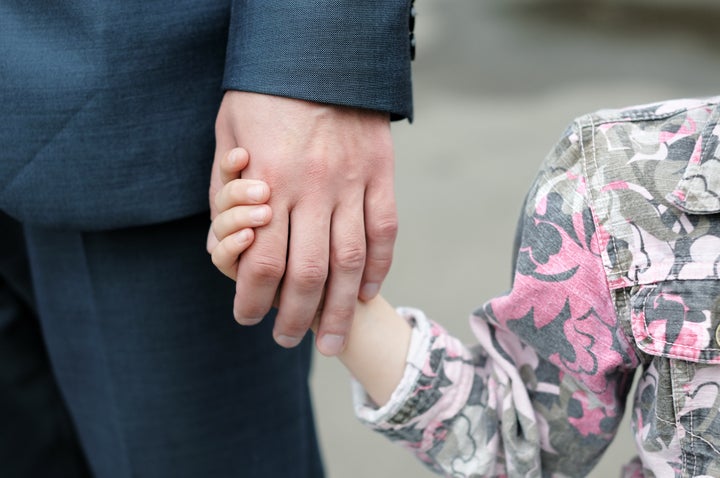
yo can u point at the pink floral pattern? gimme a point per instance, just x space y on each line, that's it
617 273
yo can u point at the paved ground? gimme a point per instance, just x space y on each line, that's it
496 82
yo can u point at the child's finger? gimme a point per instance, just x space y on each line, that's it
211 242
232 164
226 254
240 217
241 192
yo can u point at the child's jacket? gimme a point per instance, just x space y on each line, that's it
617 271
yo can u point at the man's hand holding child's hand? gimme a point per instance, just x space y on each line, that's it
378 343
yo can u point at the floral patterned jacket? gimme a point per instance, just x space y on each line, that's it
617 271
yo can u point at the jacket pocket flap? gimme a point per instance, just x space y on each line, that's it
678 319
698 191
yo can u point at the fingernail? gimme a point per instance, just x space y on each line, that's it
256 192
258 214
247 320
243 236
331 344
287 341
370 290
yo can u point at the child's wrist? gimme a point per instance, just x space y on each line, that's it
377 348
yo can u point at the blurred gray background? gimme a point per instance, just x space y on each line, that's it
496 82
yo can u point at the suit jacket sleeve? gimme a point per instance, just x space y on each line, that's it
344 52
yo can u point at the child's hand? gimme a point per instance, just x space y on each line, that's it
240 206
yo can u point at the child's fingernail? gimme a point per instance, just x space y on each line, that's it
243 236
258 214
232 158
256 192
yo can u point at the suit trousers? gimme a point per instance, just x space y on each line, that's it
119 357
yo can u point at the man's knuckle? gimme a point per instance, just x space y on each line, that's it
385 228
267 268
349 258
310 275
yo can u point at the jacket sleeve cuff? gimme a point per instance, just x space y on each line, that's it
343 52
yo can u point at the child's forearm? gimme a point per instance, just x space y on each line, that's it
377 348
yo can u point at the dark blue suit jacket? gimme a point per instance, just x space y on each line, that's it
108 107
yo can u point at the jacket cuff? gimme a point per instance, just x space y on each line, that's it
342 52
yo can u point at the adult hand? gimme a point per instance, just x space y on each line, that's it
330 172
